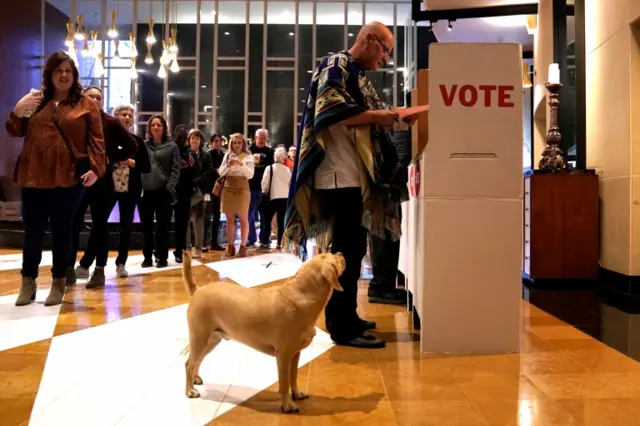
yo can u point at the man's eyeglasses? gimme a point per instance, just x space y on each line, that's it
388 52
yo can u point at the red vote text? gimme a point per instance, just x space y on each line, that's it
469 95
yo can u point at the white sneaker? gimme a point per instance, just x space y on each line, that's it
82 272
121 271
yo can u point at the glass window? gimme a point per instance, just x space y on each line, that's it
355 20
305 55
281 21
181 99
256 55
330 22
231 28
230 105
207 17
280 121
183 18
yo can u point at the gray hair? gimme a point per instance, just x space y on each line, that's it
280 155
266 132
124 106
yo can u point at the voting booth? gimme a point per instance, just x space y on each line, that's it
463 225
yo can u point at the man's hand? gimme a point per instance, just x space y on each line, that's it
384 117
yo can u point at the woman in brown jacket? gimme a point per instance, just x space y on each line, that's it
63 150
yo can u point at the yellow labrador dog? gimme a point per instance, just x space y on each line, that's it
278 321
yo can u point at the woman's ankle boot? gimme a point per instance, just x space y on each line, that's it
27 291
57 292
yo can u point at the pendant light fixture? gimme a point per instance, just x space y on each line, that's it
68 42
79 35
148 59
175 67
134 48
95 46
113 32
100 71
162 72
151 38
133 72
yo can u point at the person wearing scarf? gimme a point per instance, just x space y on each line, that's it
341 183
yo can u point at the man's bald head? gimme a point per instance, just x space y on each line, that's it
373 46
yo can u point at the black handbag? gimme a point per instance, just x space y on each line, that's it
265 198
82 164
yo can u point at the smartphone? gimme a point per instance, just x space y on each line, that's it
30 112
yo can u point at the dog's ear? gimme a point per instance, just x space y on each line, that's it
333 269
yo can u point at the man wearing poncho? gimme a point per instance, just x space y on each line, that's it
341 183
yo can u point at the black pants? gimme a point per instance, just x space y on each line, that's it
98 199
212 220
279 208
182 219
155 204
126 206
350 238
385 255
55 207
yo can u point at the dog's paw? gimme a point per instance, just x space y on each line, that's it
291 408
197 380
298 395
192 393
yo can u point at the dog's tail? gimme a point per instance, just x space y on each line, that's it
187 275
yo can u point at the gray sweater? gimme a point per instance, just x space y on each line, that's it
165 166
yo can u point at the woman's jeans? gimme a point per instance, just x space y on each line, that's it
55 207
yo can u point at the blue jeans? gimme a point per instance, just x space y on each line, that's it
253 217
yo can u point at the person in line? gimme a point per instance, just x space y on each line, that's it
262 158
158 192
120 145
344 160
291 157
237 168
203 181
62 153
184 191
212 213
127 187
275 182
385 252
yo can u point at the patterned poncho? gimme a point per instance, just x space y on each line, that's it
340 90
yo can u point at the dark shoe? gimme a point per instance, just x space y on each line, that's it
205 248
367 325
177 256
27 291
395 297
367 341
148 263
72 278
216 247
97 279
162 264
57 292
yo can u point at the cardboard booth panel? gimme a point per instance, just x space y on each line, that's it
472 281
475 121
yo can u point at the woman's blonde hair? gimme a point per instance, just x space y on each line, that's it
239 136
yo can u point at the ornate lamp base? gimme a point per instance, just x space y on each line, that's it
552 160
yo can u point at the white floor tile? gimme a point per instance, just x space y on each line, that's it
14 261
258 270
131 372
21 325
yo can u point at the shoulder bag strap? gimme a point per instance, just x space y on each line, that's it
67 142
270 178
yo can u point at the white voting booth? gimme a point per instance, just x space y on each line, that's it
463 226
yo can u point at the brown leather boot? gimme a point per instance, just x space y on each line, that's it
230 251
242 251
27 291
57 292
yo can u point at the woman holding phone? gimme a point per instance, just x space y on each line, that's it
63 152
